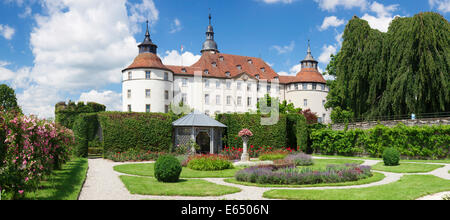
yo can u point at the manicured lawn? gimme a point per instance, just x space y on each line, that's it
409 187
407 167
189 187
375 178
64 184
147 169
322 163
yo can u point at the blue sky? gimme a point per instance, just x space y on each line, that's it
56 50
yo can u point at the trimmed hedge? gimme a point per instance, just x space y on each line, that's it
123 131
263 135
412 142
85 129
66 114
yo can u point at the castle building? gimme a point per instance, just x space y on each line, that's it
228 83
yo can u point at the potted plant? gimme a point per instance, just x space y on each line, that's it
245 134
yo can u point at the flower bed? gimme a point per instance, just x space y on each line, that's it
208 162
300 159
296 176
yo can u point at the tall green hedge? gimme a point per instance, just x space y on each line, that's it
263 135
66 114
85 129
412 142
123 131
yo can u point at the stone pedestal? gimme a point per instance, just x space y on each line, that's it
245 157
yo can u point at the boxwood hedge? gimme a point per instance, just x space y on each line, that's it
85 129
66 114
122 131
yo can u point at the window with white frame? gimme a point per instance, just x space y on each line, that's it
228 100
238 85
228 85
249 87
206 83
184 82
305 86
239 101
314 86
206 99
147 108
217 99
166 76
218 84
129 108
147 74
249 101
166 95
130 75
129 93
147 93
184 98
166 109
305 102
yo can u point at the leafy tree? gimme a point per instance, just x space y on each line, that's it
339 115
311 117
8 100
403 71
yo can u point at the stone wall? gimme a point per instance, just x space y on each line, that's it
407 122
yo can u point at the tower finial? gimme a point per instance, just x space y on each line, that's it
309 47
147 33
209 16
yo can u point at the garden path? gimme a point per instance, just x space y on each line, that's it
103 183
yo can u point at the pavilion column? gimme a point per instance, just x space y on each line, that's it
211 141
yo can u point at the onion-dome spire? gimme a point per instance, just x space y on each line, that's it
147 46
210 44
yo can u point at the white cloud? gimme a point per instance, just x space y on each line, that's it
442 5
6 31
277 1
175 26
175 58
383 16
292 71
327 50
77 45
339 39
331 5
284 49
26 13
331 21
142 12
112 100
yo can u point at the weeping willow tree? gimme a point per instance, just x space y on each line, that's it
403 71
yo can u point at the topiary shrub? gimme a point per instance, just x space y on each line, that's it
391 157
167 169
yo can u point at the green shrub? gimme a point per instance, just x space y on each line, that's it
209 163
84 128
391 157
272 156
422 142
122 131
167 169
263 135
66 114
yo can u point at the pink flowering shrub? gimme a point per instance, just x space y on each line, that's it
34 148
245 132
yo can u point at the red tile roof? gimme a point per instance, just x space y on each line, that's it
147 60
305 75
219 64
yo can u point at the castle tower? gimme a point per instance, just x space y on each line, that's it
147 84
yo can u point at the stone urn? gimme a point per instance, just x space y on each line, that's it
245 134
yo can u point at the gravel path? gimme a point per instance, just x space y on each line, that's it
103 183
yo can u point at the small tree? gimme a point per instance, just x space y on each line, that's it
311 117
8 100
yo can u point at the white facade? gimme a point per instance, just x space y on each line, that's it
147 90
214 95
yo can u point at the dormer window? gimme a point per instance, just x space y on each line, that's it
221 58
183 70
239 67
228 74
275 78
214 64
250 61
263 69
205 71
257 76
